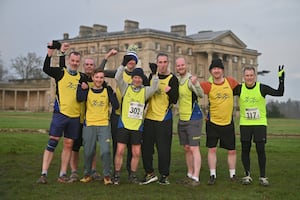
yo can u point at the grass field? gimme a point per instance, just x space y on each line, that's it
21 157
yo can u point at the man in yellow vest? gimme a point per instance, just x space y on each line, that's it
158 123
88 68
219 124
66 114
253 119
190 121
98 98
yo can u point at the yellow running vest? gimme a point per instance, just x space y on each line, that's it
82 104
67 87
133 108
221 103
97 108
185 101
159 103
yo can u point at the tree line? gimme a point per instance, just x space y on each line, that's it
23 67
288 109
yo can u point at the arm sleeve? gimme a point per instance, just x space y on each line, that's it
81 94
233 83
237 90
54 72
102 65
120 81
173 93
150 90
113 98
110 73
205 86
62 61
196 88
267 90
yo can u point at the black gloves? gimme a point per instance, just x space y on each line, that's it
153 68
126 59
55 45
281 73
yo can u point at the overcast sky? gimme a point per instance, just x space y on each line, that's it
270 26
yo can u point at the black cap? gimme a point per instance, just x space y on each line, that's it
138 72
216 63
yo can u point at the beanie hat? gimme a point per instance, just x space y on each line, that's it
138 72
133 55
131 51
216 63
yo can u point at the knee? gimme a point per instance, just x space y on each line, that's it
52 143
212 150
232 152
187 148
68 143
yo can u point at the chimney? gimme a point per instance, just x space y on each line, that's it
98 29
85 31
179 29
130 26
66 36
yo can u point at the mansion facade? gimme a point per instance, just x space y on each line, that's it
198 49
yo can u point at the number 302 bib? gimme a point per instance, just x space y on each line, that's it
136 110
252 113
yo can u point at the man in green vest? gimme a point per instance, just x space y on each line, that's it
253 119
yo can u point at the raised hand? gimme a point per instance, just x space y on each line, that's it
281 73
153 68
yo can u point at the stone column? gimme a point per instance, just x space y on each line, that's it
3 99
209 59
230 67
15 100
38 100
27 101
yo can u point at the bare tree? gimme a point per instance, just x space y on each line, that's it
28 67
3 71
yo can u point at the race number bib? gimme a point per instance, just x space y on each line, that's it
136 110
252 113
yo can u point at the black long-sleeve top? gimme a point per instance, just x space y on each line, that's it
264 89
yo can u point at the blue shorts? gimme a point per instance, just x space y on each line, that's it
61 125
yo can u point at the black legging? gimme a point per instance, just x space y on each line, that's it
261 155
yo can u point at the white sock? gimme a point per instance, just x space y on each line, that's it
231 172
213 172
189 175
45 172
195 178
62 173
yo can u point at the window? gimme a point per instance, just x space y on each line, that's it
169 48
126 46
157 46
104 49
179 50
199 70
243 60
251 62
235 59
92 50
139 44
189 51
